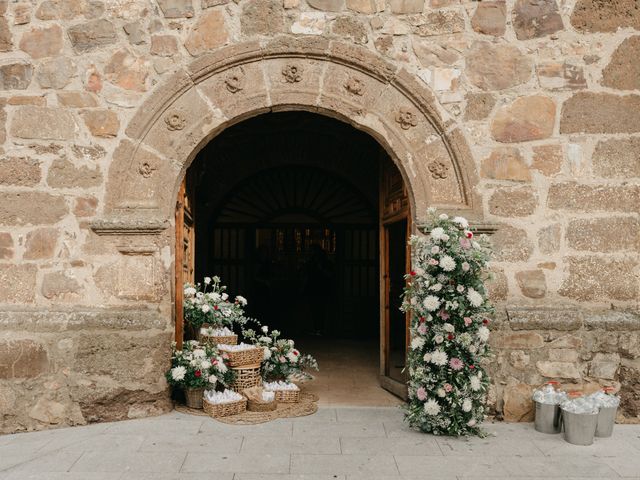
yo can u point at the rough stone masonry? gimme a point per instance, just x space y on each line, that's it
545 94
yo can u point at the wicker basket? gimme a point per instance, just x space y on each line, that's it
193 397
287 396
214 340
241 358
254 406
246 377
224 409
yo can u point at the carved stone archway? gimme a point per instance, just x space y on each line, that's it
332 78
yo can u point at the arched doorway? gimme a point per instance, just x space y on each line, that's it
308 218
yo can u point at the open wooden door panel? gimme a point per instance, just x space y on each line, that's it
185 251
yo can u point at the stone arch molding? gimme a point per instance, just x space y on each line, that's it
332 78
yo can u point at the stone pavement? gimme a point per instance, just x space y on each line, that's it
335 443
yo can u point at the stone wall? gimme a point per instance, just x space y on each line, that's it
545 93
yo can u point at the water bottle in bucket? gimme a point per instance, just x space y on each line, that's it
547 400
608 404
579 419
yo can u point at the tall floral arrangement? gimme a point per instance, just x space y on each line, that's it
208 303
447 298
198 365
282 360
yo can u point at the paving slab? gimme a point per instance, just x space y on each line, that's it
344 464
143 462
267 444
331 429
236 463
425 446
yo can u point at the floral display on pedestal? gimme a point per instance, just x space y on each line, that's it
213 307
447 299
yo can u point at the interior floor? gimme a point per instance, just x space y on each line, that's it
349 371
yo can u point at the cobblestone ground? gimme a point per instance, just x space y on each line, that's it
335 443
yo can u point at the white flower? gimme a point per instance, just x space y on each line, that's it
474 381
474 297
189 291
431 303
460 288
265 329
465 267
215 296
427 357
222 367
431 210
448 327
439 358
432 407
241 300
475 245
437 233
293 358
213 379
466 405
419 271
461 221
207 280
199 295
438 339
267 353
443 216
472 349
483 334
417 342
178 373
441 393
435 249
199 353
447 263
436 287
267 340
224 296
472 422
205 364
205 308
445 237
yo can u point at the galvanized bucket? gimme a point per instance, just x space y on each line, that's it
606 420
579 428
547 418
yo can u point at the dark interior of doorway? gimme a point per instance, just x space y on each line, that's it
287 213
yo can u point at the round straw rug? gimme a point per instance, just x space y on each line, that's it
306 406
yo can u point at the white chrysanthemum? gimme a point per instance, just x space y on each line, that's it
445 237
215 296
475 383
267 353
205 364
439 358
224 296
466 405
178 373
437 233
472 349
483 334
438 339
213 379
265 329
443 216
431 303
222 367
205 308
460 288
417 342
241 300
448 327
447 263
189 291
431 407
435 249
436 287
266 340
474 297
199 353
427 357
461 221
441 393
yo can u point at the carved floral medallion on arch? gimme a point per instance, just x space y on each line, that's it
331 78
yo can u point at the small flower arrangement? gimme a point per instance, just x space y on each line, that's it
281 359
213 307
199 366
447 299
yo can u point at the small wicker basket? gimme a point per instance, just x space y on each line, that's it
193 397
241 358
224 409
246 377
254 406
214 340
287 396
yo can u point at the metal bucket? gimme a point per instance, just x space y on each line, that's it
547 418
606 420
579 428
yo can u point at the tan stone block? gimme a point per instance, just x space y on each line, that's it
549 238
91 35
479 105
22 14
548 159
41 244
85 206
403 7
497 285
15 75
42 42
19 282
22 359
506 164
176 8
490 18
62 9
589 112
605 16
497 67
611 234
55 72
43 123
431 54
518 405
563 355
101 123
526 119
6 42
77 99
521 341
604 365
600 279
511 245
589 198
64 174
60 286
164 45
327 5
48 411
555 75
22 171
519 359
262 17
513 202
563 319
350 28
558 369
532 283
570 342
38 100
127 70
535 18
23 208
6 246
617 158
439 22
366 6
623 72
547 265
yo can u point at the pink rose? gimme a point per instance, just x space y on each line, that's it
422 329
465 266
447 387
282 359
443 315
465 243
467 321
433 261
421 393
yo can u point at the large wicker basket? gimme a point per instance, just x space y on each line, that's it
193 397
287 396
241 358
224 409
254 406
214 340
246 377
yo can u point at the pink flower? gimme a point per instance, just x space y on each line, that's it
421 393
465 267
422 329
465 243
433 261
467 321
447 387
456 364
282 359
443 315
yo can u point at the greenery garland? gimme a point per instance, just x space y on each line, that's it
447 299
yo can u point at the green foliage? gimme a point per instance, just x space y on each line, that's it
197 366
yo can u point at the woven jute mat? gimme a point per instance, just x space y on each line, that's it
306 406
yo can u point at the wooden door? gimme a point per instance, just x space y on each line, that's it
395 262
184 251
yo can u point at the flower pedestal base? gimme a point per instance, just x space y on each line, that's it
193 397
